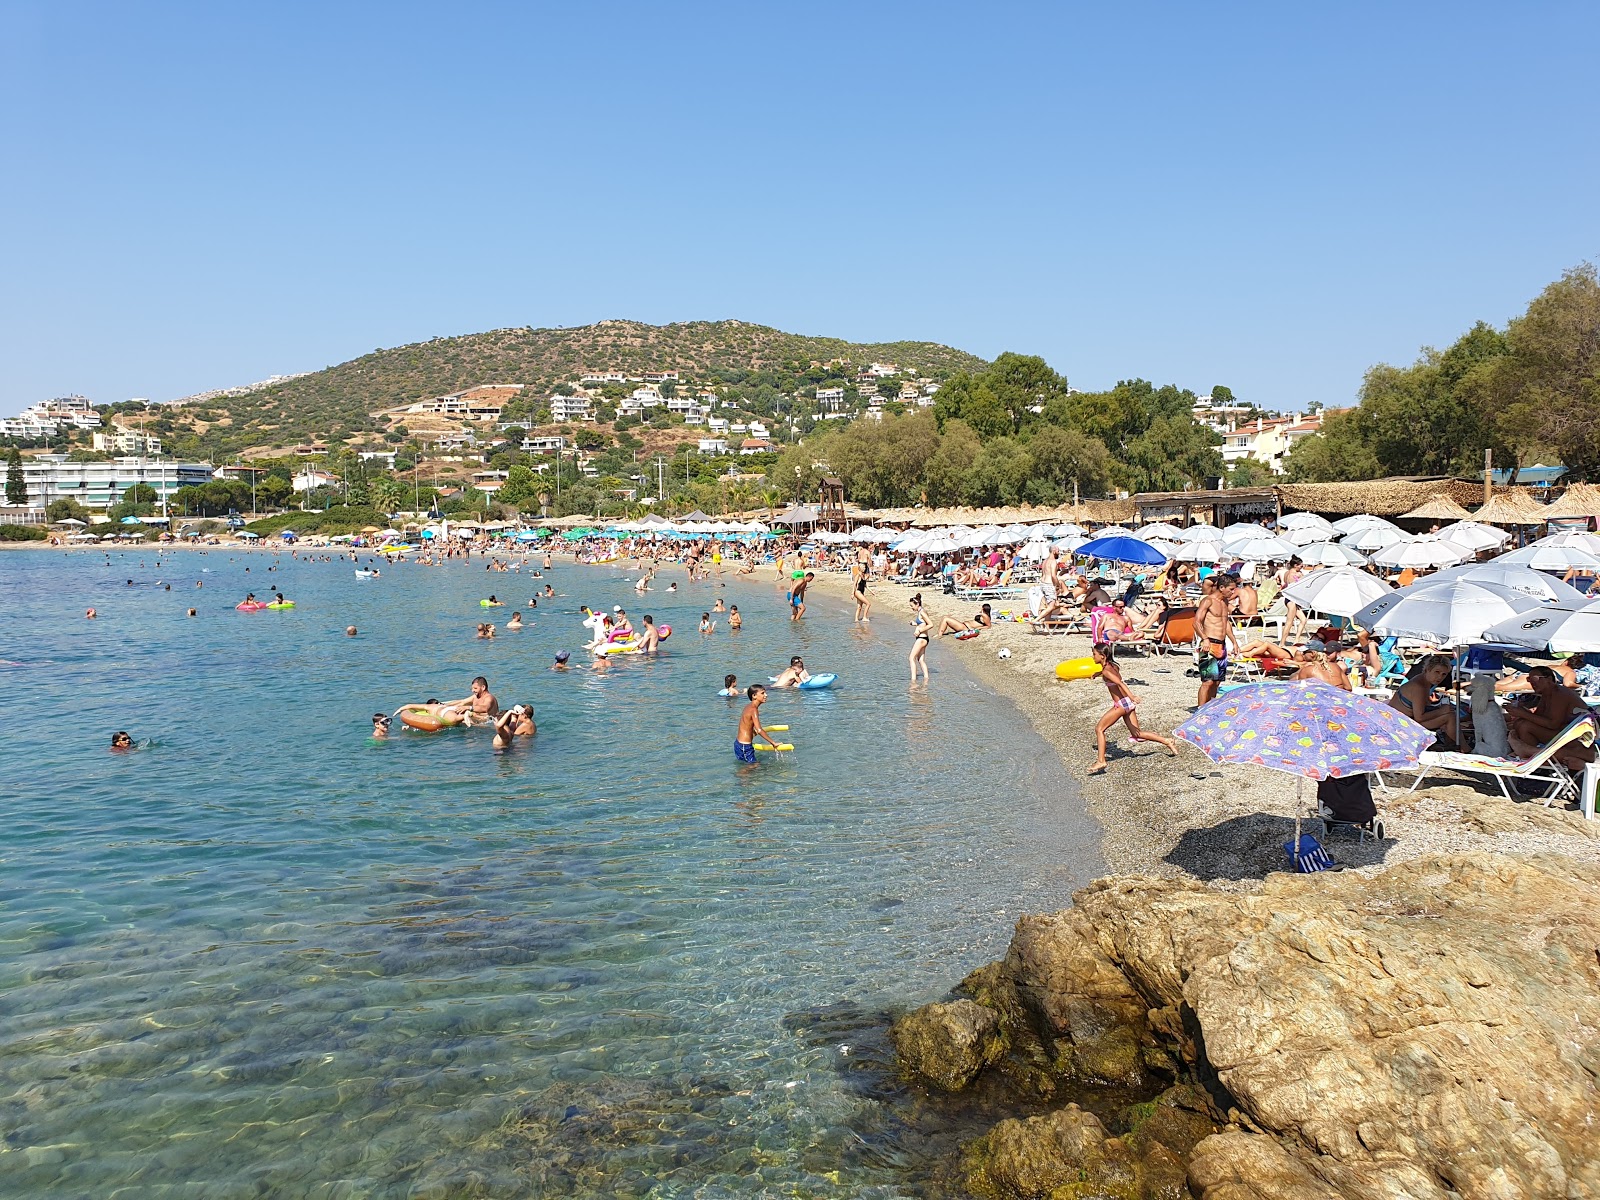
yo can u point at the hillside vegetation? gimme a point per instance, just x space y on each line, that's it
335 403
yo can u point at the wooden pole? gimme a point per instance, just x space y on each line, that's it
1488 475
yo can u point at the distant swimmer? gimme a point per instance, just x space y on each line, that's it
561 661
730 686
735 621
1122 708
349 630
380 725
515 722
719 606
548 590
602 660
191 612
90 614
793 675
707 625
493 601
744 742
650 637
515 622
121 740
672 587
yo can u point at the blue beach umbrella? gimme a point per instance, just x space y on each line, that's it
1121 549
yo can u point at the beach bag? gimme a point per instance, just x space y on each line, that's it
1347 799
1306 854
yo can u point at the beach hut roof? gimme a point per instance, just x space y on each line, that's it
1579 500
1438 507
1380 497
1514 507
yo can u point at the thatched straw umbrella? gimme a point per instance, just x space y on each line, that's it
1580 500
1514 507
1437 508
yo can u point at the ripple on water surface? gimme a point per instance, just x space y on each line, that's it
266 952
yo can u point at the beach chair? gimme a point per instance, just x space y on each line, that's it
1391 667
1177 632
1541 770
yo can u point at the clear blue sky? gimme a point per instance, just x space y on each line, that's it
1272 196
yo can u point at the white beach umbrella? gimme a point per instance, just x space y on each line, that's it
911 541
1475 534
1306 535
1330 554
1159 532
866 534
1551 558
1244 532
1071 542
1423 552
940 545
1165 545
1066 529
1583 541
1359 521
1261 549
1338 591
1199 552
1561 628
1114 531
1201 533
1034 551
1374 537
1453 613
1514 576
1298 520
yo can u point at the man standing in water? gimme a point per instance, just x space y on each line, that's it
1214 629
797 597
744 742
649 637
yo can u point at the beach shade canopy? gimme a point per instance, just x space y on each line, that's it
1423 552
1108 531
1476 535
1330 554
1579 500
1306 535
1201 533
795 514
1199 552
940 543
1450 614
867 534
1359 521
1512 508
1160 532
1437 507
1261 549
1295 520
71 521
1561 628
1551 558
1122 548
1338 591
1033 551
1374 537
1243 532
86 537
1517 577
1305 727
696 515
247 535
1583 541
1169 548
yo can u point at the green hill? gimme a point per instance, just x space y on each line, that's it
339 402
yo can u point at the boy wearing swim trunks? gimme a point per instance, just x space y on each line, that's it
744 742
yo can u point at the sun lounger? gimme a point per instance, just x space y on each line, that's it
1176 635
1542 769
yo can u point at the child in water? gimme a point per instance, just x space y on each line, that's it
730 686
706 624
735 621
744 748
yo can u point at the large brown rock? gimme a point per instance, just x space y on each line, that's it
1427 1033
946 1045
1067 1155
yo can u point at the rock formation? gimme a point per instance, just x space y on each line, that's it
1427 1033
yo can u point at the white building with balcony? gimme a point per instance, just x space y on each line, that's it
570 408
99 485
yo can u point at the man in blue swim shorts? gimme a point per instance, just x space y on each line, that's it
744 742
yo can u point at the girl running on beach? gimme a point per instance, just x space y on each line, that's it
1122 706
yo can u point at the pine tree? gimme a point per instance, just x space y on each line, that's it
16 486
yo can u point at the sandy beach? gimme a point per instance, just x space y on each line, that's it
1222 824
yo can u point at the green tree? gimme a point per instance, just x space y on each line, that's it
60 510
1222 395
1022 382
959 448
1552 382
1247 472
521 488
1171 454
884 462
999 474
16 484
1337 454
1063 457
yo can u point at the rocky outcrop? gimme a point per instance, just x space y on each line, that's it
1430 1032
946 1045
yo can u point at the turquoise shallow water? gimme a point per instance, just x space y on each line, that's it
266 956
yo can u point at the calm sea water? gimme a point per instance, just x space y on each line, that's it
265 955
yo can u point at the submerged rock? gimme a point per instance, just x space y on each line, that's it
1430 1032
946 1045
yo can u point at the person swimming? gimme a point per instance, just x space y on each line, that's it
121 740
793 675
380 725
515 622
730 686
561 661
735 621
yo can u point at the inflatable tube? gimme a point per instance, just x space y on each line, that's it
427 718
285 604
249 606
1078 668
492 603
779 746
619 648
665 631
817 682
365 574
966 635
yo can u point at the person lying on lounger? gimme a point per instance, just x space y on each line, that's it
1529 727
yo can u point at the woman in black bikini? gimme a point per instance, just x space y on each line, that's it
919 643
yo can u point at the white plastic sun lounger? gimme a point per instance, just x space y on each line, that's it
1542 769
